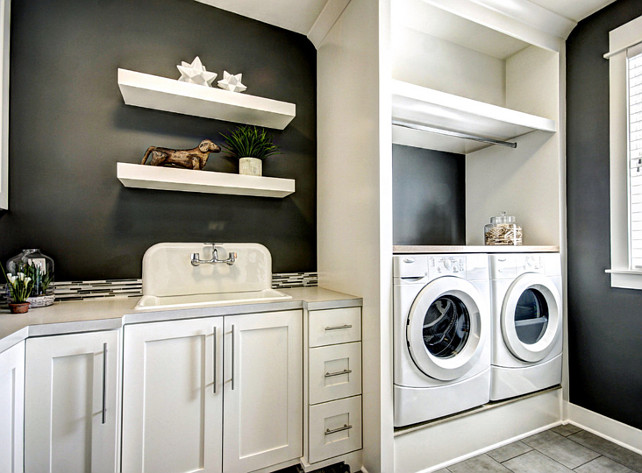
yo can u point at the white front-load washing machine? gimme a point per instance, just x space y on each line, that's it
526 306
441 335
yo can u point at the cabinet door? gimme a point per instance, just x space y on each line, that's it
12 366
71 403
172 396
263 390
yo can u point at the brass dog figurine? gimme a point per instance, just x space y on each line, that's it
194 158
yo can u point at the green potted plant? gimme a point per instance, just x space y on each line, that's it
250 145
20 287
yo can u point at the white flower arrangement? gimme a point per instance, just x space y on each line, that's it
20 286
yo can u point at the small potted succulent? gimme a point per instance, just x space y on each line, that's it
20 287
251 145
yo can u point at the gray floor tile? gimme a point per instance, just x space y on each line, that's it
509 451
603 465
535 462
443 470
566 429
609 449
479 464
561 449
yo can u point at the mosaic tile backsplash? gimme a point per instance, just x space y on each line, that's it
79 290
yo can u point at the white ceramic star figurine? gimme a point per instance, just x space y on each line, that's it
195 73
231 82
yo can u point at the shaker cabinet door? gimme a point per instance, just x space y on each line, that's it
12 366
263 390
172 396
71 403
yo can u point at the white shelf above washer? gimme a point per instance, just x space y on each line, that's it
160 93
442 111
208 182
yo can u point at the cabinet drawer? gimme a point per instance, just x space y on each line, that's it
335 372
335 428
332 326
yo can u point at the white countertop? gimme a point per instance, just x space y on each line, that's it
114 312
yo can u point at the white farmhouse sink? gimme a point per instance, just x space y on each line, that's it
210 300
172 281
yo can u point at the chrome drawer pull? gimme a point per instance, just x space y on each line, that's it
340 429
337 373
104 393
339 327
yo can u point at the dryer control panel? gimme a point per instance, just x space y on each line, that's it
446 265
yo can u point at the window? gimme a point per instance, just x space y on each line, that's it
625 76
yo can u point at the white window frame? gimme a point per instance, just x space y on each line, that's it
621 39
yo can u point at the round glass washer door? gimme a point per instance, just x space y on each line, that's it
530 317
445 330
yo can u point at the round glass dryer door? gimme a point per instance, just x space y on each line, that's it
446 326
445 330
530 317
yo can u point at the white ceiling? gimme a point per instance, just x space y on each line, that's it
575 10
300 15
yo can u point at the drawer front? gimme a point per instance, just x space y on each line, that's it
331 326
335 372
335 428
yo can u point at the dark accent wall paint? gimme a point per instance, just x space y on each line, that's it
428 196
69 127
605 324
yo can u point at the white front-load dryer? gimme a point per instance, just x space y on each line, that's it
441 335
527 310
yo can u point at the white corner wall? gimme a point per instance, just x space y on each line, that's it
354 199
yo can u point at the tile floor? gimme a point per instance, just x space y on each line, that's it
562 449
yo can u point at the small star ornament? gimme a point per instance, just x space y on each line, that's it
231 82
195 73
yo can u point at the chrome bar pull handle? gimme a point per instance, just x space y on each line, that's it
337 373
339 327
214 358
340 429
104 413
232 358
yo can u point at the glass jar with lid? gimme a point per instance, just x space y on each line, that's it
502 230
40 268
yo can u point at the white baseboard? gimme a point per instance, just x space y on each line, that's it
612 430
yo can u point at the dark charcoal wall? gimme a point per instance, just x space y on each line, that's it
605 324
429 194
69 127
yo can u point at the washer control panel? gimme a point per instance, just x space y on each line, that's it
446 265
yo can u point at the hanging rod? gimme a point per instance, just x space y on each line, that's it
482 139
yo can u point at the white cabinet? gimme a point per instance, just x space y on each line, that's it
12 366
333 384
172 396
71 386
263 390
212 394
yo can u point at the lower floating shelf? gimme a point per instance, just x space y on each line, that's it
188 180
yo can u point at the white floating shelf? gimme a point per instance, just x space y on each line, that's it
433 108
208 182
160 93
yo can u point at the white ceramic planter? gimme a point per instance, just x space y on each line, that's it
251 166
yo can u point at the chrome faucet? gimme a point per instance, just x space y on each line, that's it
196 258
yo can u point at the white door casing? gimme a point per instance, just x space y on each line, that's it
71 393
447 369
172 397
537 351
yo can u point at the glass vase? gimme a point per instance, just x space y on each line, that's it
40 268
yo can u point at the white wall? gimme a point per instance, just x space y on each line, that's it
354 198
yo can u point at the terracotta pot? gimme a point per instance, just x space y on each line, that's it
250 166
19 307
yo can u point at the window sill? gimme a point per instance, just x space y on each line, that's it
625 278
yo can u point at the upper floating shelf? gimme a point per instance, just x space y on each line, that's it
452 113
170 95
